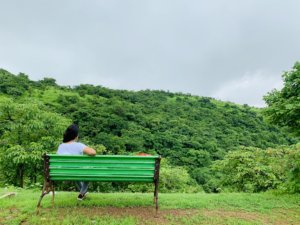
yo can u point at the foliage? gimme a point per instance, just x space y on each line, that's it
292 185
176 179
13 85
190 131
27 131
284 105
254 170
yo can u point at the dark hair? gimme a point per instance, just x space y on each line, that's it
71 133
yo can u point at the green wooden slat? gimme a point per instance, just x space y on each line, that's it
87 169
103 179
103 161
112 167
64 157
100 172
101 164
104 166
99 175
102 156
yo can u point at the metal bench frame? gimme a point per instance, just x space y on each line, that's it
49 183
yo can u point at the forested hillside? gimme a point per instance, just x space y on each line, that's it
189 131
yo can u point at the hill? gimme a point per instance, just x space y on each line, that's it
190 131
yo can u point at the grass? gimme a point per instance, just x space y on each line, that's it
138 208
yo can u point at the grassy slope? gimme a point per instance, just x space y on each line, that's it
137 208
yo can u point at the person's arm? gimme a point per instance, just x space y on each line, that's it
89 151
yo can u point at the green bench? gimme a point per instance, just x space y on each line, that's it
106 168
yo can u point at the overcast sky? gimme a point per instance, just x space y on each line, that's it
231 50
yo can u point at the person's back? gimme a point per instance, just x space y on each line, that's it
70 146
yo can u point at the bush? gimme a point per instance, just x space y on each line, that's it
292 184
254 170
176 179
171 179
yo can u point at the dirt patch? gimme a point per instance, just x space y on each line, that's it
234 214
276 217
9 214
144 215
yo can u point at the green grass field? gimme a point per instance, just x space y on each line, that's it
138 208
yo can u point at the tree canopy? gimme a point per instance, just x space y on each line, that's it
27 131
284 105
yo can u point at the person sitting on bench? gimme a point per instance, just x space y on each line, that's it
71 146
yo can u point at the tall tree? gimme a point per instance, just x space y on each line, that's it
284 105
27 131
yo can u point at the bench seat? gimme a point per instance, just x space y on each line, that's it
104 168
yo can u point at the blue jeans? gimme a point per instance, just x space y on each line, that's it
82 186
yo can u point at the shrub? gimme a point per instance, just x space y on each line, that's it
254 170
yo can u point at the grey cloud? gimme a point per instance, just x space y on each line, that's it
196 47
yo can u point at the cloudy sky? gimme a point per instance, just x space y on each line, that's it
231 50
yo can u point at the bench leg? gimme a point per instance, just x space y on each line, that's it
39 203
156 197
48 186
53 193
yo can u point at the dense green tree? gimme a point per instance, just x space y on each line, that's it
27 132
252 169
292 184
13 85
47 81
284 105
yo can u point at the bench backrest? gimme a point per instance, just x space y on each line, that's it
102 168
